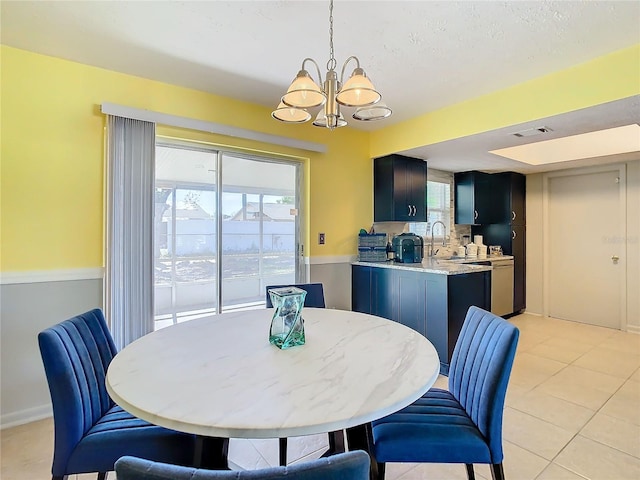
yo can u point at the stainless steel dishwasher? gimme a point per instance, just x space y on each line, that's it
502 286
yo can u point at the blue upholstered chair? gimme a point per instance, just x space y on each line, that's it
464 424
91 432
345 466
314 298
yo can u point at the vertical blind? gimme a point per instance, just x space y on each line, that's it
130 207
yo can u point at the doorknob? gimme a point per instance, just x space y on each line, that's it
615 258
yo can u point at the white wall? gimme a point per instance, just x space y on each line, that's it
27 309
335 275
535 251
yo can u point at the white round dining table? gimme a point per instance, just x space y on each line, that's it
219 376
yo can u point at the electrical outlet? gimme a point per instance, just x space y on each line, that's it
321 239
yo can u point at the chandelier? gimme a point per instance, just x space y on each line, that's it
304 93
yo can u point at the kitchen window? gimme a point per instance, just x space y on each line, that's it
438 206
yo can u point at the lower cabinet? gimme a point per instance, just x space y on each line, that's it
512 239
432 304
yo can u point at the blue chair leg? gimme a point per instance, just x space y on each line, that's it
497 472
282 450
470 473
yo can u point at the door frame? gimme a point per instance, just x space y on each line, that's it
621 170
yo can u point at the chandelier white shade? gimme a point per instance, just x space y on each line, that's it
304 92
358 91
372 112
285 113
321 120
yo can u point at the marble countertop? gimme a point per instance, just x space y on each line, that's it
430 265
490 258
219 375
442 265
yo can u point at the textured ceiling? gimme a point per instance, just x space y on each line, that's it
421 55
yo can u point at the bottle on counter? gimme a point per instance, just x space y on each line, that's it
390 253
482 248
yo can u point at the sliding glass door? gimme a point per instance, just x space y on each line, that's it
226 226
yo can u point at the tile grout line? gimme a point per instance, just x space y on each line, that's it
591 417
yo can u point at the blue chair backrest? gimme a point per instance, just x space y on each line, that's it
76 354
480 370
345 466
314 298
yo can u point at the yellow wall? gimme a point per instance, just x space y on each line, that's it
604 79
52 159
52 136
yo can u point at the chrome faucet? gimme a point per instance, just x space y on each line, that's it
444 237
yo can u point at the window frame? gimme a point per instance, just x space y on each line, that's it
440 178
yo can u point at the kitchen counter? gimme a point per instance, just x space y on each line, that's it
442 266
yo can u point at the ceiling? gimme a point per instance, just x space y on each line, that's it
421 55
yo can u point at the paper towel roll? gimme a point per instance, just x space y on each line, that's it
477 239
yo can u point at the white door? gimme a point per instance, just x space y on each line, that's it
586 248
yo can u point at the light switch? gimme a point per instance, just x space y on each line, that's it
321 239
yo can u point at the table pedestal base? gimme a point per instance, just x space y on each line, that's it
211 453
361 438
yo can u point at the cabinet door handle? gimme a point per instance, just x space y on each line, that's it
409 207
414 210
513 215
475 214
513 234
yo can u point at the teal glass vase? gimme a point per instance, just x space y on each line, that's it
287 324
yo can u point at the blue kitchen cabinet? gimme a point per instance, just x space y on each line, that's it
383 292
509 228
411 300
474 198
432 304
399 189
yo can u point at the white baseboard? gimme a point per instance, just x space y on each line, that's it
25 416
633 329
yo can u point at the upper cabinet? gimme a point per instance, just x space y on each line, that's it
474 203
399 189
510 190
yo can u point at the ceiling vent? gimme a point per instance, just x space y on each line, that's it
532 132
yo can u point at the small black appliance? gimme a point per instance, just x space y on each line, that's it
408 248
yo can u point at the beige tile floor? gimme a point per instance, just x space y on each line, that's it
572 413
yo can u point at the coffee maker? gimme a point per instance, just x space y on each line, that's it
408 248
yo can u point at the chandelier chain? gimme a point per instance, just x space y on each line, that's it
331 64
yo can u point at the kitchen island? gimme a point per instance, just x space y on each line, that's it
431 297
